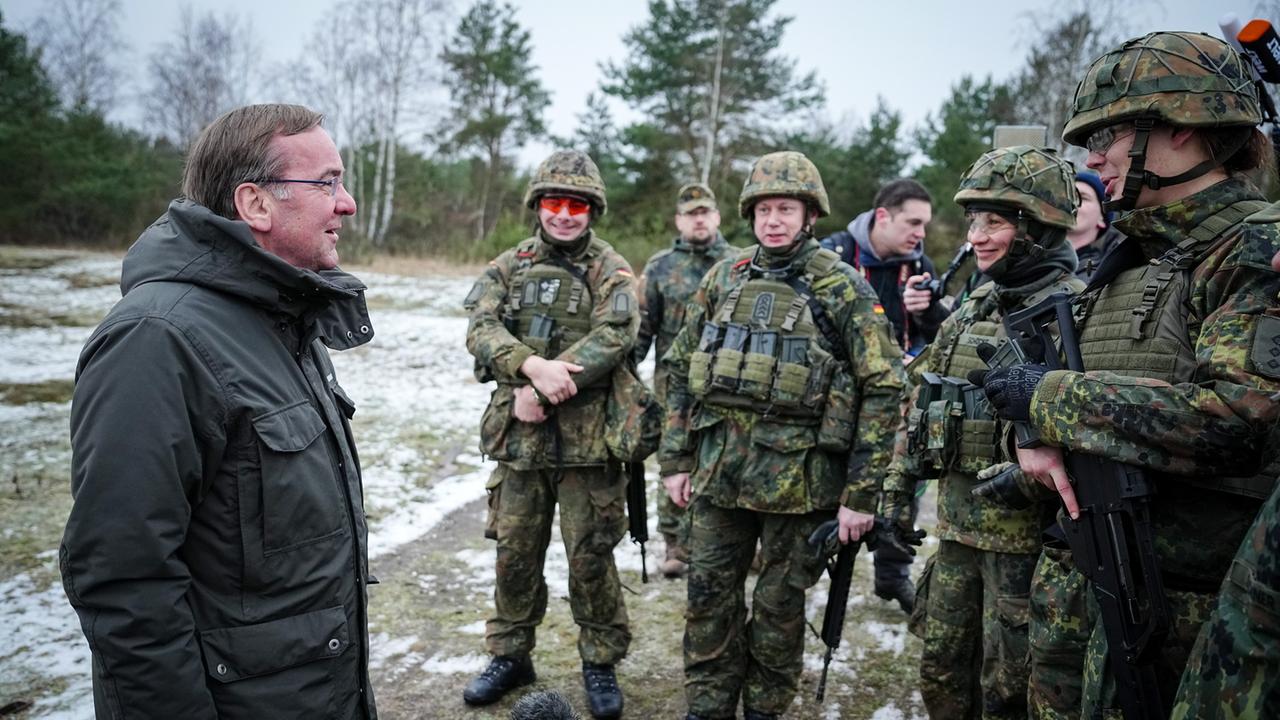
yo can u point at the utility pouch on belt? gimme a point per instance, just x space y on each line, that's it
700 360
835 431
539 338
792 372
758 365
726 367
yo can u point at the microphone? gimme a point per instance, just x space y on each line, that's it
1260 43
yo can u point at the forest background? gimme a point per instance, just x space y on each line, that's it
705 86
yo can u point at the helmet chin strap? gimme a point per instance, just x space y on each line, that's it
1139 177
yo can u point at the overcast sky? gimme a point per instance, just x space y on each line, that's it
909 52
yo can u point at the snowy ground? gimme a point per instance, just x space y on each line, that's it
416 423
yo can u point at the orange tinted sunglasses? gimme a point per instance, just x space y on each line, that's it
555 204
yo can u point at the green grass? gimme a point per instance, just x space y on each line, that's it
48 391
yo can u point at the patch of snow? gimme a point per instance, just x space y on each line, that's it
887 637
43 640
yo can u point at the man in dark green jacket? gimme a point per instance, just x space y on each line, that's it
216 549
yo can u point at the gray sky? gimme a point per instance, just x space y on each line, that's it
909 52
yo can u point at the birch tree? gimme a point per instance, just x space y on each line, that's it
81 48
208 68
497 99
373 89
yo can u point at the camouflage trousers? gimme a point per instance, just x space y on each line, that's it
522 505
1234 670
974 662
1061 620
727 655
1188 612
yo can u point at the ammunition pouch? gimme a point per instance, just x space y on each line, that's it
950 427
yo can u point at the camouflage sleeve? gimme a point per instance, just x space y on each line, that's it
675 454
650 312
880 379
1208 426
614 320
488 339
897 478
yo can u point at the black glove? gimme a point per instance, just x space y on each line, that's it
1010 389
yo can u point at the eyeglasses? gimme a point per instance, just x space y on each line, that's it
987 223
1101 140
331 185
554 205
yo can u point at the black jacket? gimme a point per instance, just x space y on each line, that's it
216 548
888 278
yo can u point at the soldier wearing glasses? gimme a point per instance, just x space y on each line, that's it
1177 330
550 320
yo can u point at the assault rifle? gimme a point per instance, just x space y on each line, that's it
824 541
638 512
1111 542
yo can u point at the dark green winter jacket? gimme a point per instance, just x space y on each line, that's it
216 549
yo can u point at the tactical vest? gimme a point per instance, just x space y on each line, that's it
952 425
1137 324
762 349
550 301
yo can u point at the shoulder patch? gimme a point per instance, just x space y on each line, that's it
621 302
1264 351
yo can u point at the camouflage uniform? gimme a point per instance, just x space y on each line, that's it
669 280
974 661
774 443
1176 338
588 291
1234 670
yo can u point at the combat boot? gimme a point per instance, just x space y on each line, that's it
676 561
604 697
504 674
749 714
902 590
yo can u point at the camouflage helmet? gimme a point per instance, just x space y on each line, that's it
567 171
1180 78
783 174
1035 181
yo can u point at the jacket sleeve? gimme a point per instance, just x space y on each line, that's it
146 436
676 451
488 339
614 320
880 381
1218 424
651 310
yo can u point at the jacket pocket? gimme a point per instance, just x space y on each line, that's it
776 467
496 422
279 669
301 502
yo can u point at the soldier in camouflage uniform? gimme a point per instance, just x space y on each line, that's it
1020 201
1176 328
782 399
1234 670
669 280
550 320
